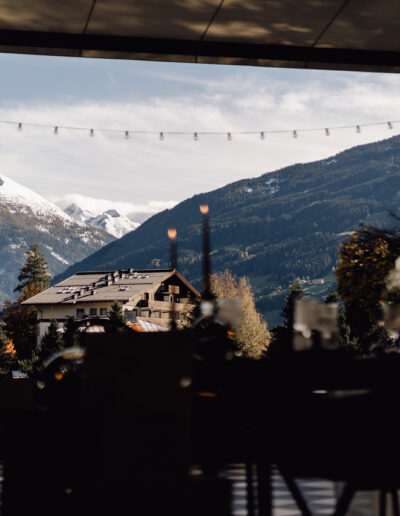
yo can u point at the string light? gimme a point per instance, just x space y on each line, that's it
196 135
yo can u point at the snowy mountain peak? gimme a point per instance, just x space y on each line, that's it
110 221
112 213
27 218
20 199
77 213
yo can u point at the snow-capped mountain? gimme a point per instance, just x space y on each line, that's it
19 199
26 218
114 223
110 221
78 213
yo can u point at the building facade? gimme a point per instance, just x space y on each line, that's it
153 295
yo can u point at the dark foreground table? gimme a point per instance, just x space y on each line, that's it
126 430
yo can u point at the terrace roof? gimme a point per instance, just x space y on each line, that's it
328 34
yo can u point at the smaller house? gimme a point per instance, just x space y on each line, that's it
154 296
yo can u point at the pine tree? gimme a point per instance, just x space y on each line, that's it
21 322
7 355
282 334
346 340
51 342
34 271
117 322
71 332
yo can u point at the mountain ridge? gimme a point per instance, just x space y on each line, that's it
110 221
273 228
26 218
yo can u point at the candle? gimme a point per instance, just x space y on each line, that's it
204 210
172 234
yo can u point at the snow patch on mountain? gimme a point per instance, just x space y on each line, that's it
60 258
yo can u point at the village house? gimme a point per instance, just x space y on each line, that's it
151 295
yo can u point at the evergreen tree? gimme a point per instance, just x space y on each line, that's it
51 342
21 320
71 332
21 323
346 340
117 322
34 271
7 355
282 334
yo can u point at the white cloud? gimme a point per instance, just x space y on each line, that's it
98 206
133 174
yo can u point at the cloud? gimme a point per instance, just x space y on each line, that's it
98 206
134 174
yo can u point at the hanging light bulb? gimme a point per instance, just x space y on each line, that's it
229 136
294 134
262 135
195 136
327 133
161 136
91 132
126 135
358 129
20 127
390 125
55 130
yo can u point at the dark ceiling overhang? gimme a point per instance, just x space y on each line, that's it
328 34
170 49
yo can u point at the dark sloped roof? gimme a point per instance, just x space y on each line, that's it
330 34
85 287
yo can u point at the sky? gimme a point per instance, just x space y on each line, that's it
143 174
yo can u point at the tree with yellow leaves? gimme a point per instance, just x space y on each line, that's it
365 259
7 355
252 337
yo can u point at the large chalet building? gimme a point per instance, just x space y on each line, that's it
151 296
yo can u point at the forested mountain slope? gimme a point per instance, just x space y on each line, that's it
27 218
272 228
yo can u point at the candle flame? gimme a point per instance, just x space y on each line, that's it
204 209
172 233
